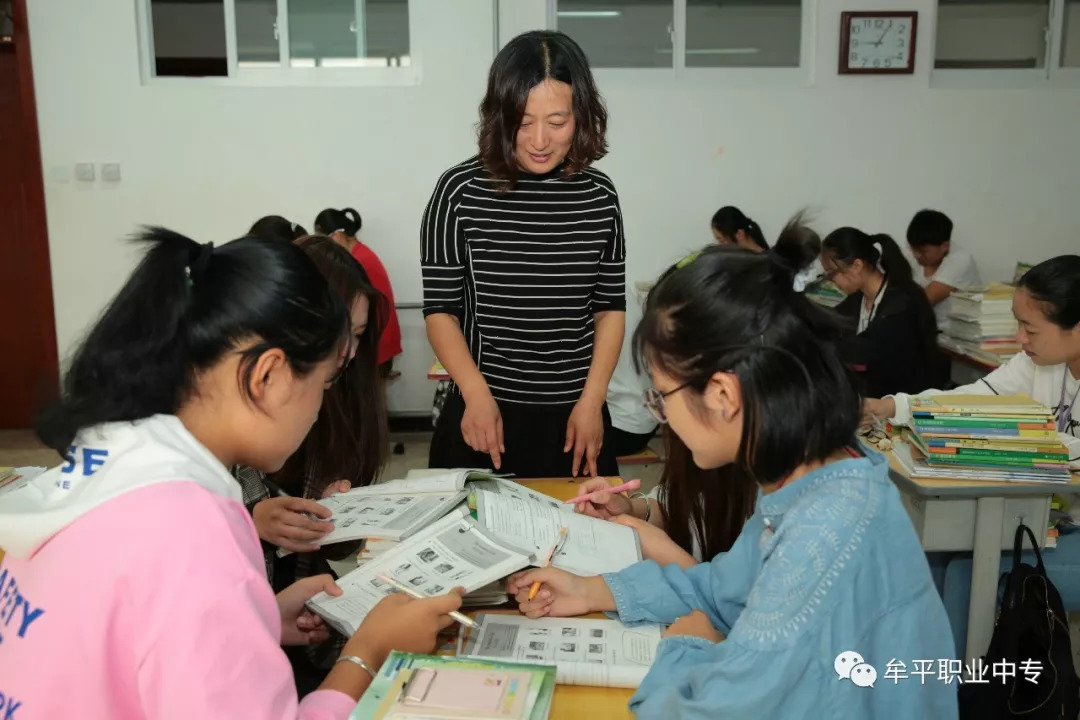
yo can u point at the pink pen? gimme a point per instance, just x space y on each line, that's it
632 485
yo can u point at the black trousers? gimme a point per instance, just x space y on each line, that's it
628 443
534 437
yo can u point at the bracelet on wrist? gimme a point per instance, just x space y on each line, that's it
648 505
357 661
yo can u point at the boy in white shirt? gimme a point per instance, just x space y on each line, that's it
943 267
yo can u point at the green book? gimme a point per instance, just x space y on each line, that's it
542 687
978 453
974 423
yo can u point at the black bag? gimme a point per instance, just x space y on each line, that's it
1032 625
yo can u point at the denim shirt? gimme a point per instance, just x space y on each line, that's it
828 564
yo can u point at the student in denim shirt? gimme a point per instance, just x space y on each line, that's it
828 565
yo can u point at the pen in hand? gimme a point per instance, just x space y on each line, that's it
556 546
464 620
628 486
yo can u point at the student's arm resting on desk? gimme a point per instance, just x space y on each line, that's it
1015 377
647 592
937 292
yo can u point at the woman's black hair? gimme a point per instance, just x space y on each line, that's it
182 310
711 505
522 64
848 244
729 220
929 227
350 438
329 221
1056 284
275 227
728 310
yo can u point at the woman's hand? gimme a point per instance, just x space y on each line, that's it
696 624
874 409
336 487
291 522
482 428
561 594
656 544
299 626
603 504
400 622
585 435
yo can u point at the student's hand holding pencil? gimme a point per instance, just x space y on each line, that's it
602 503
561 594
399 622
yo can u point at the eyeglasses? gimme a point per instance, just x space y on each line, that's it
344 358
654 401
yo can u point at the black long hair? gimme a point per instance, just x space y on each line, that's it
729 220
847 244
330 220
522 64
350 438
275 227
1056 284
183 308
730 310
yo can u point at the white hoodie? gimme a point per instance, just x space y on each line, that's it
1019 376
105 462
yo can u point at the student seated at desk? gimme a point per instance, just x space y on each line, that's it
944 267
691 515
1047 306
745 373
632 425
345 448
894 338
343 226
133 572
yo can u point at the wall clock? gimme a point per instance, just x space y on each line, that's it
877 43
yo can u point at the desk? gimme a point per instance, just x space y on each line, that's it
980 517
579 701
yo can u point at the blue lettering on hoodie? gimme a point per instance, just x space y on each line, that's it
92 459
17 613
8 706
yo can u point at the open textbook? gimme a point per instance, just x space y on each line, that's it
592 546
604 653
454 551
395 509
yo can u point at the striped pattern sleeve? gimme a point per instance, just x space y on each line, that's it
442 245
610 291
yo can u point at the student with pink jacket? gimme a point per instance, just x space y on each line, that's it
133 584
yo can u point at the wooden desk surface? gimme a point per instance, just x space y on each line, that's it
975 488
578 701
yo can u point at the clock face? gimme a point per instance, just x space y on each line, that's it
879 43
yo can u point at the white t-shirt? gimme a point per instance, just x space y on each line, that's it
956 270
628 413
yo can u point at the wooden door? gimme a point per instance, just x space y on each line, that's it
28 362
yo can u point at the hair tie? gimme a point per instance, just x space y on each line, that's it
198 266
807 276
292 226
880 254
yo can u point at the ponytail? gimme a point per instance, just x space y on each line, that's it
892 260
848 244
184 308
729 220
330 221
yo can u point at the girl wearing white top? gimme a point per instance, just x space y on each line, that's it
1047 306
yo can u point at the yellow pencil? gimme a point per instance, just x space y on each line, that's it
535 588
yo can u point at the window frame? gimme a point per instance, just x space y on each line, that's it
283 74
1052 75
800 75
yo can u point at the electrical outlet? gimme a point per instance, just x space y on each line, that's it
110 172
84 172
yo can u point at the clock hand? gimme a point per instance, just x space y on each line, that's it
881 39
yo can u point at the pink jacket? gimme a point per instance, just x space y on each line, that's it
140 598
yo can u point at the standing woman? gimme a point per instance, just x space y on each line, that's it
523 262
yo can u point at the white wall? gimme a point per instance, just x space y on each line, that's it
207 160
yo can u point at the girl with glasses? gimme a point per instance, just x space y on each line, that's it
827 576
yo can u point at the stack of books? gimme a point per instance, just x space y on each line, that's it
981 324
824 293
988 437
434 688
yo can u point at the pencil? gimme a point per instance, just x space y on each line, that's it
535 587
409 591
632 485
